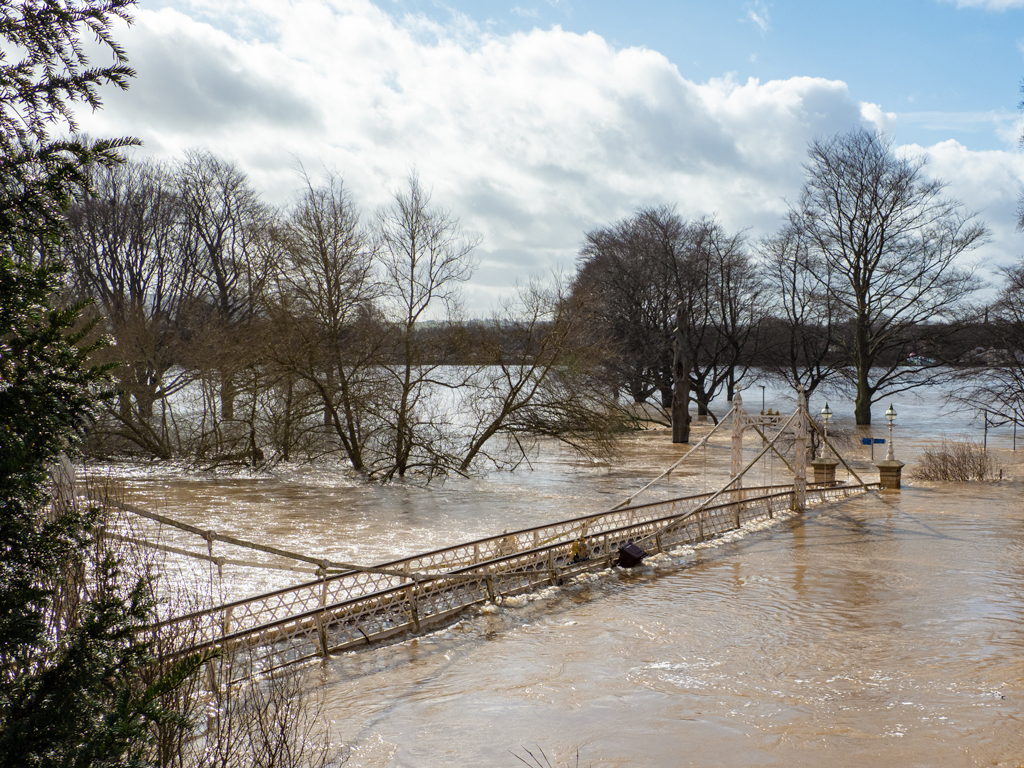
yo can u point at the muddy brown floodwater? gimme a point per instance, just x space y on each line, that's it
886 630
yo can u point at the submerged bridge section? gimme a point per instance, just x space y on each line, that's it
355 608
362 605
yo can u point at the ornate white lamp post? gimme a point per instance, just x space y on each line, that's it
825 465
890 469
826 414
890 416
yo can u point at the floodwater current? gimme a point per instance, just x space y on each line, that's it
885 630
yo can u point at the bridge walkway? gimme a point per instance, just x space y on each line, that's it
349 606
346 610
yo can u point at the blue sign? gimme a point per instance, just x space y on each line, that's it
868 440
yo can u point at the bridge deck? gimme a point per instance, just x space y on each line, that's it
353 608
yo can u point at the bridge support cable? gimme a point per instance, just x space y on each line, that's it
363 605
775 450
741 421
323 565
838 455
735 483
306 629
701 443
218 561
305 622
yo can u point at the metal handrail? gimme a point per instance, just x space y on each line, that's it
397 565
312 625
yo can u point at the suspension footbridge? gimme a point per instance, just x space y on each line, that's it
349 605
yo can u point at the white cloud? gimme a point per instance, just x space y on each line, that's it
533 138
987 182
1004 124
1011 131
990 5
873 114
757 12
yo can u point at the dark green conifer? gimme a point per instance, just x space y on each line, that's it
72 649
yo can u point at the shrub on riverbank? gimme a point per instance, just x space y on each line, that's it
957 462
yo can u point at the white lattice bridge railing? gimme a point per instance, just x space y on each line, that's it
338 612
362 605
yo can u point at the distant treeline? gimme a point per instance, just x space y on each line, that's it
970 344
248 334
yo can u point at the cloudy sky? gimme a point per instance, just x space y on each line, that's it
537 120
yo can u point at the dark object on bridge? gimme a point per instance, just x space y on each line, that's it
630 555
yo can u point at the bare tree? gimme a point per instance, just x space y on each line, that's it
672 297
626 269
227 230
736 308
1001 390
802 338
424 258
328 334
536 379
890 244
124 252
680 378
718 290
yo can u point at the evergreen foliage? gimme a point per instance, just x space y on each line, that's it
46 401
72 654
44 75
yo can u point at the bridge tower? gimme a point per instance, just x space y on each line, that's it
800 470
741 420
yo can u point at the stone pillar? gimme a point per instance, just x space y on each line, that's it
825 470
889 471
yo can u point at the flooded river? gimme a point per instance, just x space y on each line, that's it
887 630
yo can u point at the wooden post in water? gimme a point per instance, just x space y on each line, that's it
800 470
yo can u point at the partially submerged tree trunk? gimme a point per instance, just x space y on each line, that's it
889 244
424 258
680 382
228 392
863 359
